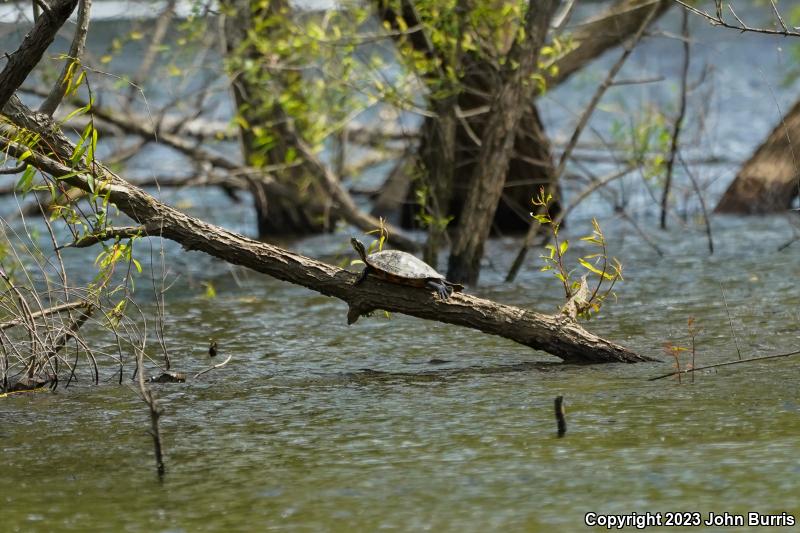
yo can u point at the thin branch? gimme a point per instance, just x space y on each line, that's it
717 20
14 170
112 232
45 312
533 228
347 206
162 25
58 91
730 320
22 61
696 186
778 15
209 369
676 130
726 363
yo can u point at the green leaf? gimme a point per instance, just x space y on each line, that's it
590 267
26 180
67 176
78 111
562 248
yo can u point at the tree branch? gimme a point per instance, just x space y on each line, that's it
717 20
45 312
58 91
23 60
562 338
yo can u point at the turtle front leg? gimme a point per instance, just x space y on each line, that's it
441 289
362 277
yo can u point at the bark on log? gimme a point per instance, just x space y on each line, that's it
553 334
768 181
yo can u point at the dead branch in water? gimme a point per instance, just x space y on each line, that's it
209 369
676 129
563 338
726 363
155 415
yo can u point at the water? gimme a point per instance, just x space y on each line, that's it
315 425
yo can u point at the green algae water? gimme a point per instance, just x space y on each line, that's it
315 425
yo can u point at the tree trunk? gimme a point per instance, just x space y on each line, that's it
530 167
276 216
438 168
531 164
768 181
513 96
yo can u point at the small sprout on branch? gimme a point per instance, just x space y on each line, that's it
583 300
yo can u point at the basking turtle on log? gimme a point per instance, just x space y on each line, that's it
404 269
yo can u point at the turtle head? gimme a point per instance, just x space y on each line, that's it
359 248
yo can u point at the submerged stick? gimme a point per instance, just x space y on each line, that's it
209 369
561 418
155 414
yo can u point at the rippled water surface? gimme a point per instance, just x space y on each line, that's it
410 425
317 425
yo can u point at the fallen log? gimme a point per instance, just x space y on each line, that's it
611 28
767 182
563 338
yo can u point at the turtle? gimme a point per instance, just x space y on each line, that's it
404 269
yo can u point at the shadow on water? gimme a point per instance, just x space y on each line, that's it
367 375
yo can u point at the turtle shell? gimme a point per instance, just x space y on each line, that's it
401 265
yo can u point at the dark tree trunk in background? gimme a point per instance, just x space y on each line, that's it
276 217
531 164
511 98
438 161
530 167
768 181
